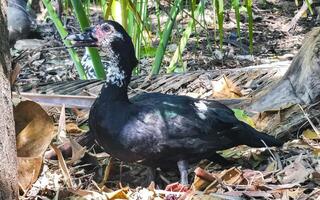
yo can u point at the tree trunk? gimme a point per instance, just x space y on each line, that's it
8 154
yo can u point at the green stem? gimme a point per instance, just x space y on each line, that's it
93 52
165 36
250 21
184 39
63 33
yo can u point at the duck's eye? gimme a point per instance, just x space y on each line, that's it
106 28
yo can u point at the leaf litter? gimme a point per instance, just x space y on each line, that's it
268 173
292 172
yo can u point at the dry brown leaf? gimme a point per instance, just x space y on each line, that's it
253 177
119 194
86 194
80 113
225 88
63 166
204 174
62 135
296 172
279 186
107 173
34 127
73 128
231 176
15 72
310 134
78 151
81 192
28 171
202 179
316 177
267 118
201 184
295 193
262 194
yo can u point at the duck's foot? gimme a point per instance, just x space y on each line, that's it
177 187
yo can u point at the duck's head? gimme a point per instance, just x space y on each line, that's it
114 42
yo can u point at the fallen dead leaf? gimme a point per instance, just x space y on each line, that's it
78 151
86 194
202 180
253 177
34 127
176 187
15 72
28 171
73 128
63 166
296 172
62 134
225 88
310 134
262 194
203 174
119 194
107 173
231 176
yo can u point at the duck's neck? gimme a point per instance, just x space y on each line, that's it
118 72
117 81
112 93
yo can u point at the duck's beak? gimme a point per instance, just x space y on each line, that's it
85 39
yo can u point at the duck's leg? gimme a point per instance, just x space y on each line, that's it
183 169
151 175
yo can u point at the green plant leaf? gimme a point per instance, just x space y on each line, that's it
63 33
250 21
165 36
184 39
242 116
94 54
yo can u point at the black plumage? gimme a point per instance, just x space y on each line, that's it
155 129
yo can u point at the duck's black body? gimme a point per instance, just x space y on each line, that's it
155 129
158 129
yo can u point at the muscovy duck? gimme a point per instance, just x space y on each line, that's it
154 129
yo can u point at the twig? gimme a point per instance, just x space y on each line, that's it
221 196
295 19
168 192
309 120
268 148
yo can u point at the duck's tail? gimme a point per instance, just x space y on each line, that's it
254 138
